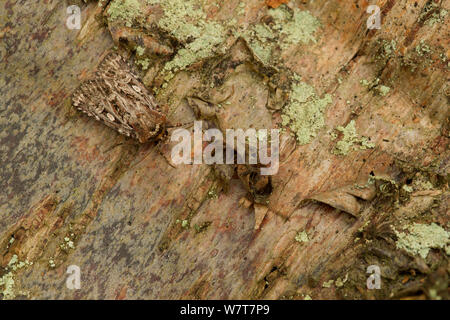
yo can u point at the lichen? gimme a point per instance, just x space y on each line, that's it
388 48
349 139
125 10
421 182
340 282
201 48
144 63
212 194
7 281
328 284
260 40
186 21
298 28
420 238
304 112
422 48
68 243
432 14
383 90
302 237
376 86
140 50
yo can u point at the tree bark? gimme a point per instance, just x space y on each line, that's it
77 193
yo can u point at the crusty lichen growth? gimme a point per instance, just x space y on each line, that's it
432 14
298 27
328 284
125 10
260 38
304 113
302 237
186 21
349 139
7 281
376 86
420 238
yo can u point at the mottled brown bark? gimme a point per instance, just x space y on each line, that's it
122 204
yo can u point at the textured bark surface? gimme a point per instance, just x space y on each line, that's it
143 229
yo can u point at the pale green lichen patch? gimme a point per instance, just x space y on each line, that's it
183 19
140 50
186 21
422 183
304 113
328 284
289 28
418 239
7 281
300 27
375 85
203 47
432 14
302 237
124 10
143 63
260 39
350 139
67 243
383 90
387 49
340 282
423 49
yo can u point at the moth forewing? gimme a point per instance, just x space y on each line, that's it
117 98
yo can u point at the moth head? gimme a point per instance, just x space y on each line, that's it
148 126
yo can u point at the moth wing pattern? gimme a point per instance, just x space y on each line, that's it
117 98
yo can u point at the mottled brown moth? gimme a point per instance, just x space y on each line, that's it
117 98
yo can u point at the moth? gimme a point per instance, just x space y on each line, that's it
117 98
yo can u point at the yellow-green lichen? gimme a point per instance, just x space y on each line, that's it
418 239
289 28
302 237
144 63
304 112
7 281
422 48
140 50
376 86
421 182
388 48
124 10
340 282
260 39
349 139
212 194
383 90
328 284
201 48
301 26
67 243
432 14
186 21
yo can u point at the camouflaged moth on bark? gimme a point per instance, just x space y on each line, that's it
118 99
